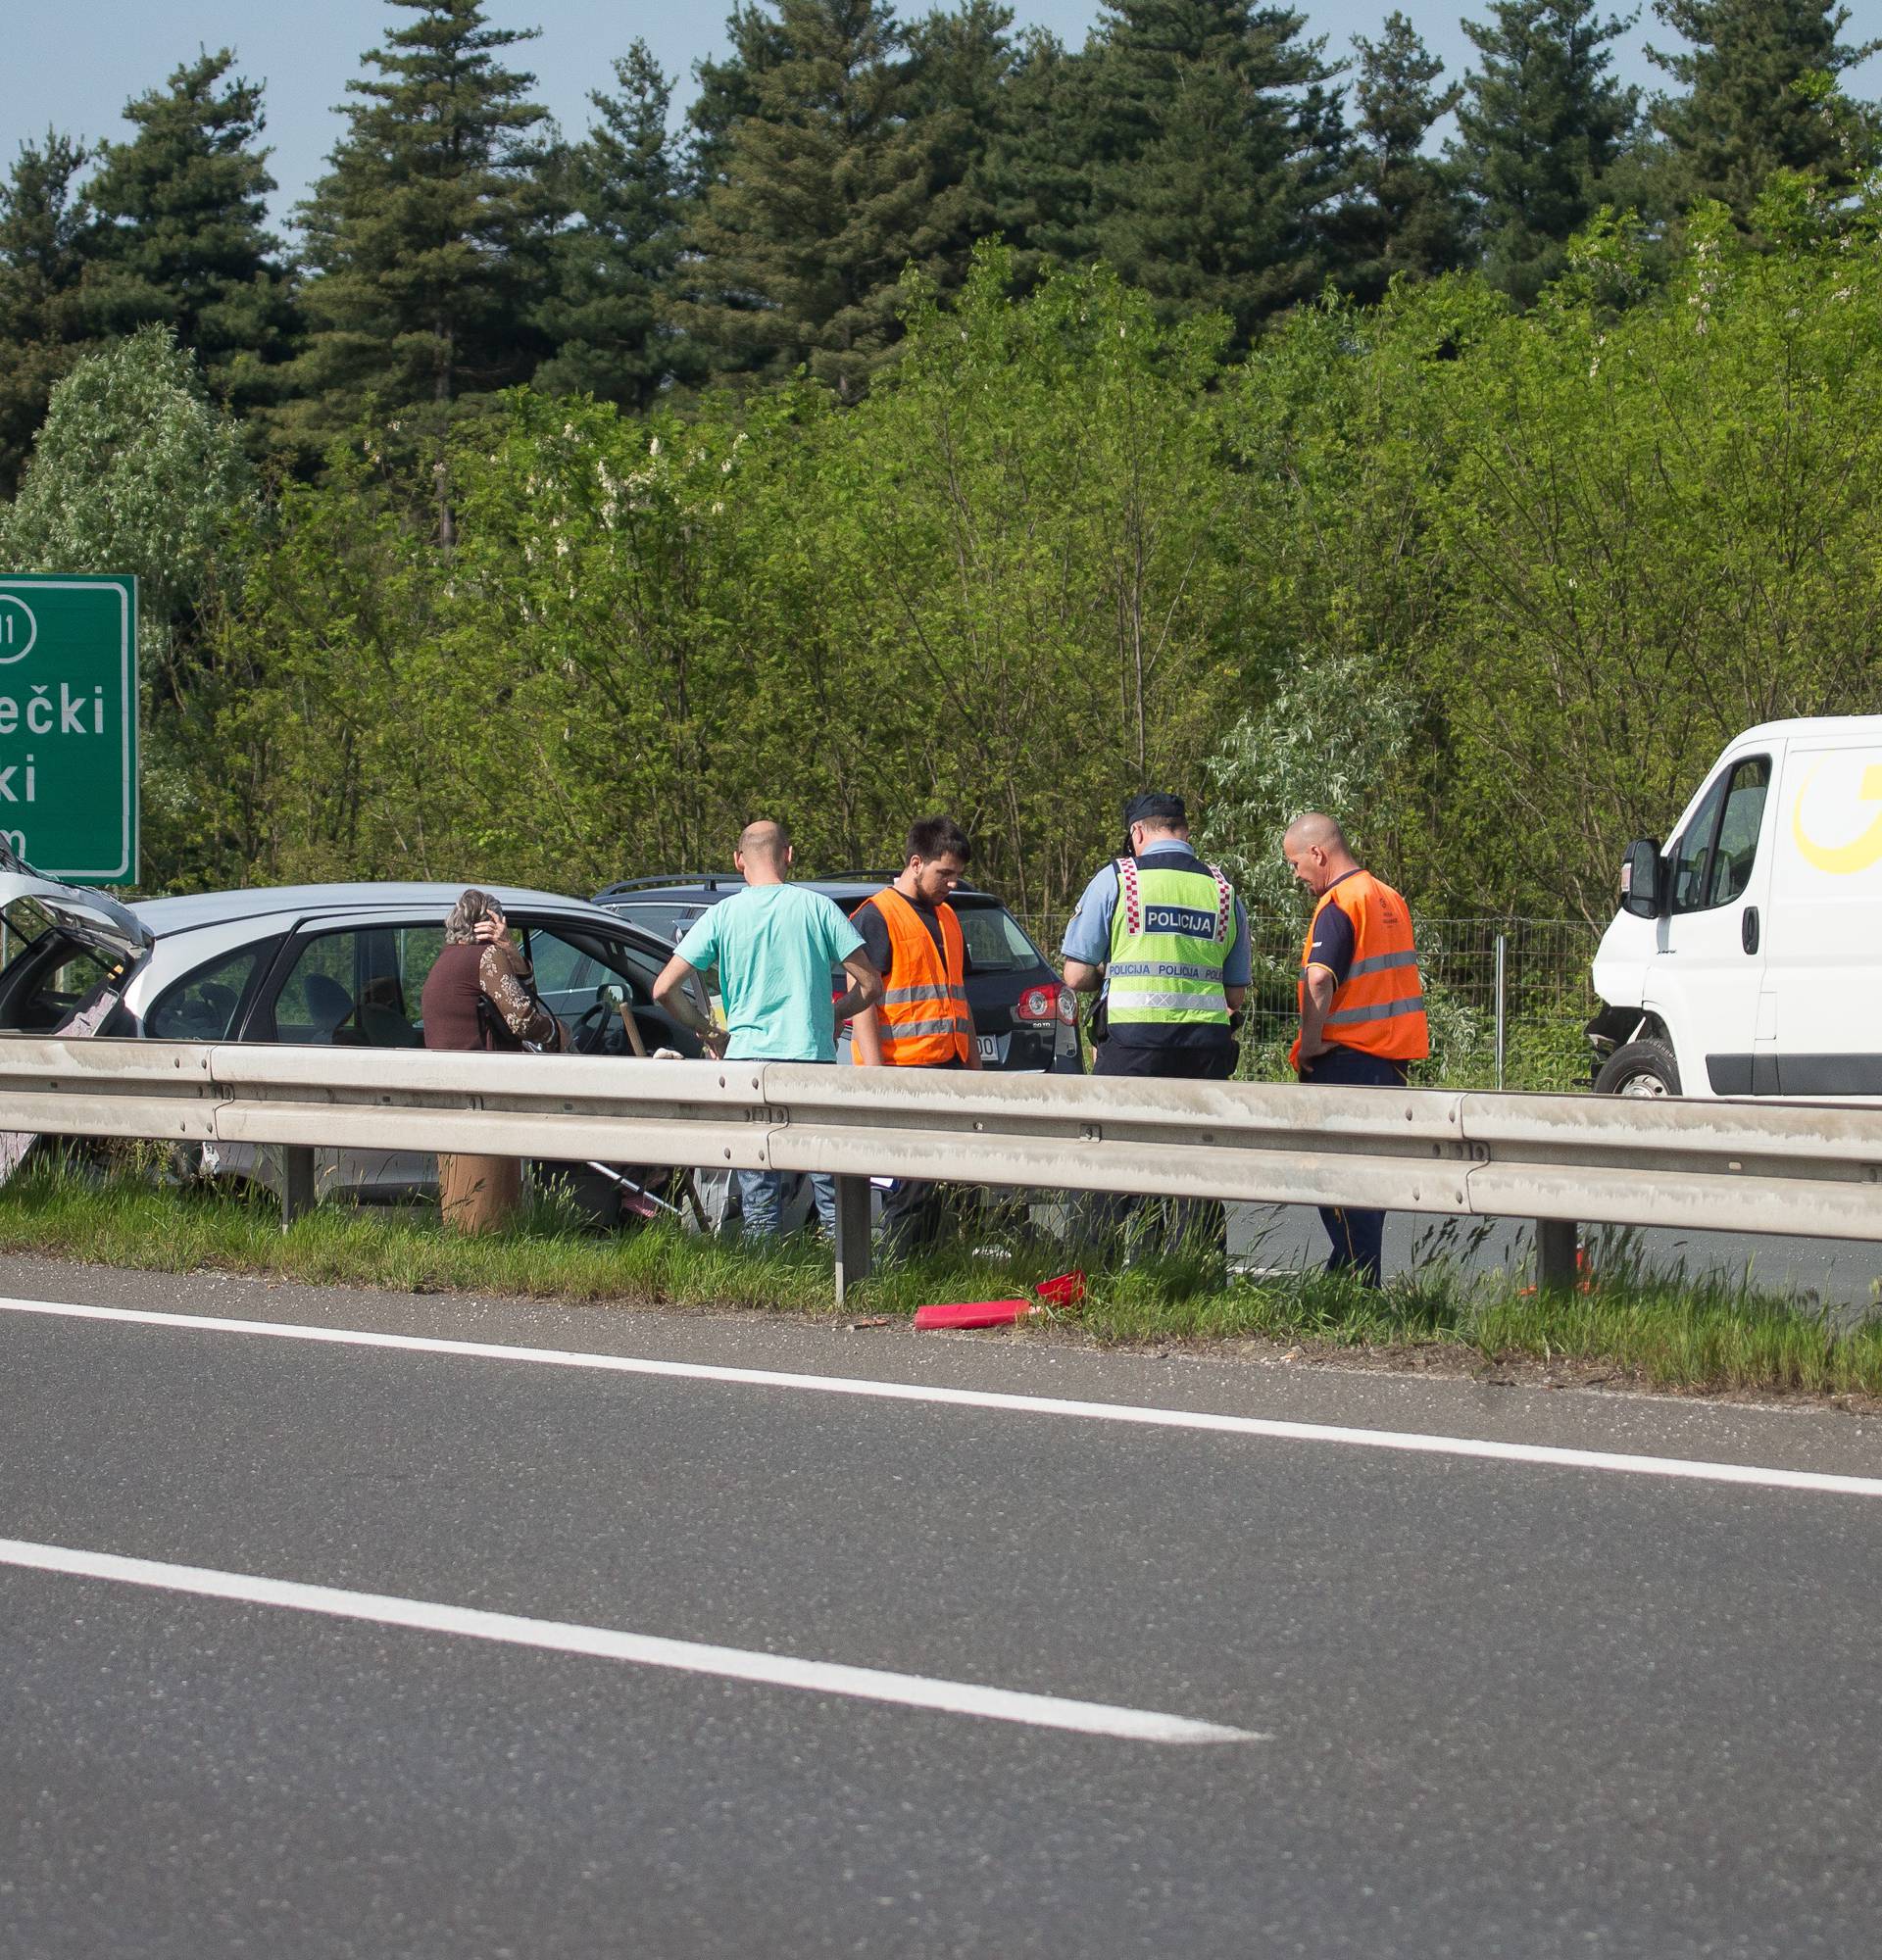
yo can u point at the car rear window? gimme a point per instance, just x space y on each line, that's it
995 943
667 922
48 977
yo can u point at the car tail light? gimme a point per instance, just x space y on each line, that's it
1037 1003
1068 1007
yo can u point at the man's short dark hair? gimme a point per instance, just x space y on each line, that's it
939 837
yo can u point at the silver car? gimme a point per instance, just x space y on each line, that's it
329 966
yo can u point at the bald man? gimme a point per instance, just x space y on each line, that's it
1360 1000
775 945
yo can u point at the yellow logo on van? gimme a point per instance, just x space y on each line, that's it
1840 859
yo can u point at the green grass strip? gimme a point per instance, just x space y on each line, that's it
1704 1333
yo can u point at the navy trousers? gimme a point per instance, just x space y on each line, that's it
1358 1237
1112 1221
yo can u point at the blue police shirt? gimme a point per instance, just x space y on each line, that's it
1088 939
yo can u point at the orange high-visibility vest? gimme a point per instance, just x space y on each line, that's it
923 1016
1378 1008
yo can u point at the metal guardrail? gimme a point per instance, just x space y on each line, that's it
1812 1170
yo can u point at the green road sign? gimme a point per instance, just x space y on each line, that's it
69 726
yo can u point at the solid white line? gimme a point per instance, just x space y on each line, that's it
983 1398
866 1683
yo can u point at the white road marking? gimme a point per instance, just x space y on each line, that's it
820 1677
982 1398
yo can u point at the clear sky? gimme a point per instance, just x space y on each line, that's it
76 71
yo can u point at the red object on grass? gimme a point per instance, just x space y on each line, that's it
973 1313
1066 1290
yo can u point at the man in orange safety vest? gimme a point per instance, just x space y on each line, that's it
913 936
1362 1002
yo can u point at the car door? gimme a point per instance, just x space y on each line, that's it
354 982
1711 941
573 961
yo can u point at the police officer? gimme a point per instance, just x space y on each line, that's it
1362 1000
1167 939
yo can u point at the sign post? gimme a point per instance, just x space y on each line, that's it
69 726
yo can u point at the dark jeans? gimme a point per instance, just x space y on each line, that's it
1358 1237
914 1210
1109 1221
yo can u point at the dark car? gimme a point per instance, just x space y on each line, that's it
1024 1020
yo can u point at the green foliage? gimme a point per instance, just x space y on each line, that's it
181 239
1214 144
135 472
1540 130
1491 586
1405 212
1017 577
429 235
1744 116
44 246
1657 528
823 194
624 183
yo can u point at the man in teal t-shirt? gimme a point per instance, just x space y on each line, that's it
775 947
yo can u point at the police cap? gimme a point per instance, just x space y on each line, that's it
1155 807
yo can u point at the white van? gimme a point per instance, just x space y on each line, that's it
1747 955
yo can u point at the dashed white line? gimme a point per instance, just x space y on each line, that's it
1411 1441
819 1676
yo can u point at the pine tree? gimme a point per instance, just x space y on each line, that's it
625 184
725 90
1743 116
430 236
1034 176
1216 145
965 64
45 236
1541 130
1403 212
182 239
816 201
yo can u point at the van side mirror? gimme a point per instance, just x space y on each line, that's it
1640 879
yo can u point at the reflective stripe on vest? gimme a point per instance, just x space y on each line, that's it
1378 1008
924 1018
1169 942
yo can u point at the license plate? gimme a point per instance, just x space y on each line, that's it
993 1048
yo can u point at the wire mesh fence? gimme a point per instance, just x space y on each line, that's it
1506 1000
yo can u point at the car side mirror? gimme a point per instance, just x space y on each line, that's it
1641 884
613 995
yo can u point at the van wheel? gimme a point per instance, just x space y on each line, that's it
1639 1068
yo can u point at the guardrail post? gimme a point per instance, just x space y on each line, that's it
852 1234
1557 1244
297 1182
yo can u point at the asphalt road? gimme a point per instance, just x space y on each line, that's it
1484 1703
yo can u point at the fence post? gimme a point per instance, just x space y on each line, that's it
1556 1241
1502 1017
852 1235
297 1182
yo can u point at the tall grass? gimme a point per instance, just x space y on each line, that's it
1702 1333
